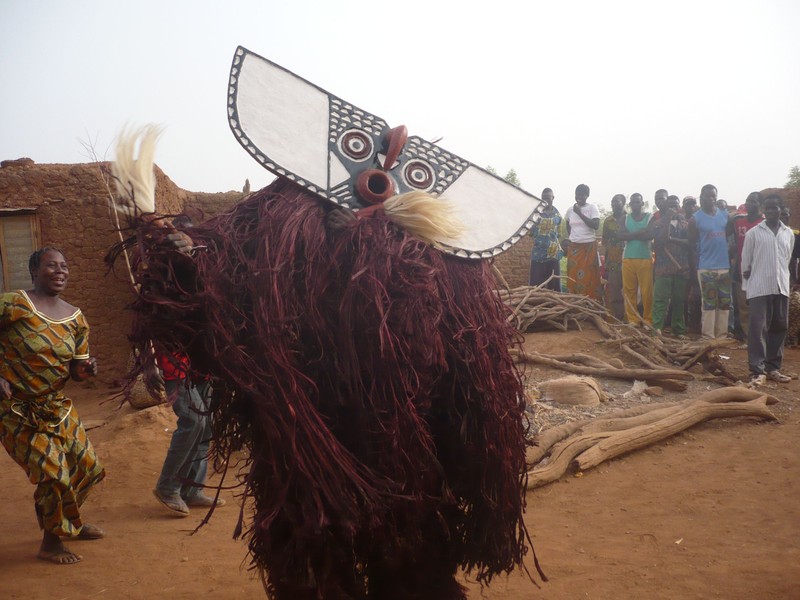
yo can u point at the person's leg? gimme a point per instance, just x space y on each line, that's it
535 274
542 271
757 335
794 320
678 299
614 299
723 294
185 438
693 305
736 311
62 476
593 285
555 271
572 269
661 294
705 280
644 271
777 325
744 310
630 288
197 466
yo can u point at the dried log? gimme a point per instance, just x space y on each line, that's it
696 412
669 384
589 442
734 394
708 347
545 440
583 359
561 458
649 363
627 373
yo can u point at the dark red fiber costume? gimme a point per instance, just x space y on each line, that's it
364 377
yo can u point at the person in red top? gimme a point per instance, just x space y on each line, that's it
183 475
739 226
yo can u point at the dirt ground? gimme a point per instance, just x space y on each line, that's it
710 513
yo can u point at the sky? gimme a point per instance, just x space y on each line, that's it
625 96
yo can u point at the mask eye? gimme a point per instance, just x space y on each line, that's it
419 175
356 145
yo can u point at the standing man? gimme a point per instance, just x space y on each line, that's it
765 271
689 204
614 247
739 226
660 200
546 252
637 264
707 237
671 245
183 475
583 265
693 309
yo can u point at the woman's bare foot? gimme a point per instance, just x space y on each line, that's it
53 550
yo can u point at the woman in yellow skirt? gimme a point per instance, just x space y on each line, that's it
44 341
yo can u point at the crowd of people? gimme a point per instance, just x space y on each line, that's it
688 268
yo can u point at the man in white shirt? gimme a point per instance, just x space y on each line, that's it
766 253
583 261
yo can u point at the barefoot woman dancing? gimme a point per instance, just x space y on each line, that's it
44 341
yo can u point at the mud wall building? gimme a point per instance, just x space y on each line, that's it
67 207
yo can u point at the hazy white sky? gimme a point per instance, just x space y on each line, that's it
624 96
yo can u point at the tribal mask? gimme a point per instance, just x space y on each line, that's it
354 159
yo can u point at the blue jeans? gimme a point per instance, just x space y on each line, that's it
186 463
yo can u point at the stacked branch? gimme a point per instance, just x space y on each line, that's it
586 444
539 309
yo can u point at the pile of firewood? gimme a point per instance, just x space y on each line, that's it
660 358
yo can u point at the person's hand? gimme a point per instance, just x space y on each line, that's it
83 369
746 274
576 208
89 367
153 380
5 389
180 241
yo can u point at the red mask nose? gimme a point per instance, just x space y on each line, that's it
374 186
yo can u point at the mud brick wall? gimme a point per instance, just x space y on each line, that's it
72 202
515 263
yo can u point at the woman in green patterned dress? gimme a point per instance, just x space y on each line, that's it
44 341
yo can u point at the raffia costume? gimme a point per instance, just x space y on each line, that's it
367 376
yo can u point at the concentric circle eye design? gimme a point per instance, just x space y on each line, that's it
356 145
419 175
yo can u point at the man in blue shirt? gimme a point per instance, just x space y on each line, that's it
708 239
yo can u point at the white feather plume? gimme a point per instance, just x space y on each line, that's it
134 177
424 216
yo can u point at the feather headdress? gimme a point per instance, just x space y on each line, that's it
134 177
